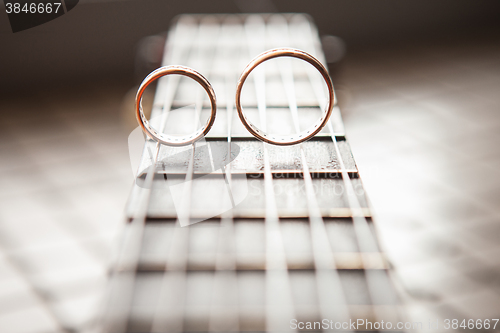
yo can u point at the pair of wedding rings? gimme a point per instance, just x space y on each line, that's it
259 134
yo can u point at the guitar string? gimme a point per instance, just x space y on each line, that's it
365 239
225 291
170 310
331 296
122 287
279 298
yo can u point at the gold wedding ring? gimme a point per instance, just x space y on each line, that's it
285 140
163 138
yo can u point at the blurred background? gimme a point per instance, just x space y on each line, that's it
418 84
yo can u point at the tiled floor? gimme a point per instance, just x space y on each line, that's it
424 124
64 181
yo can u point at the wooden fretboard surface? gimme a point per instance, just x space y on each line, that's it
298 241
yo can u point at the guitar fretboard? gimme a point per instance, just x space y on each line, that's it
232 234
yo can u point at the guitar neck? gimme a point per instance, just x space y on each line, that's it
232 234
